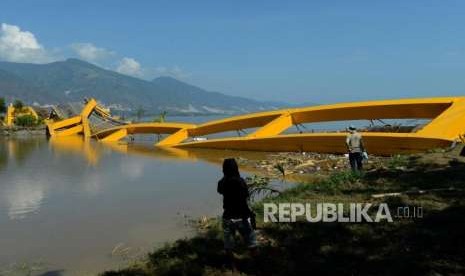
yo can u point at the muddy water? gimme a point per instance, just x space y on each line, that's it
76 208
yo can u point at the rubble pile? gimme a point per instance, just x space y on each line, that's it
277 164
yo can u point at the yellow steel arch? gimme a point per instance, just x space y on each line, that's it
119 132
12 113
447 115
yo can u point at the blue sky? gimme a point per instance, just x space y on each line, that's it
295 51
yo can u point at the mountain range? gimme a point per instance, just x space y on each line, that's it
72 80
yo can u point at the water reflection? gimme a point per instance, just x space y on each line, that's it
69 202
3 155
26 195
17 150
78 146
93 151
24 198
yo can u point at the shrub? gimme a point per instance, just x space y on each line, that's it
26 121
398 161
260 187
337 181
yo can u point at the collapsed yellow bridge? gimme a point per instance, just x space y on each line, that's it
446 125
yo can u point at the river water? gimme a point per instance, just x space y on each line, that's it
70 207
76 208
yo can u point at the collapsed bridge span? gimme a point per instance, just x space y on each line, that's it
446 117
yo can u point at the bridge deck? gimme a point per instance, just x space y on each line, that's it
447 115
376 143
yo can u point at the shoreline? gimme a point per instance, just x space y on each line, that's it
23 132
429 245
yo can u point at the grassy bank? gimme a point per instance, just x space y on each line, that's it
431 245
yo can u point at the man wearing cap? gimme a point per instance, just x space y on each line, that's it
355 147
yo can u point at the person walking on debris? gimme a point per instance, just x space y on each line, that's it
237 215
356 149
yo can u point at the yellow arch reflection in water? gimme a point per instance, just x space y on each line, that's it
93 152
76 145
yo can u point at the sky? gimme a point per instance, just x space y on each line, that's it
292 51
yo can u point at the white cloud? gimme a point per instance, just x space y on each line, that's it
17 45
21 46
91 53
130 66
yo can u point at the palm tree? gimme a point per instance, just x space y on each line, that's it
161 117
140 113
2 105
18 104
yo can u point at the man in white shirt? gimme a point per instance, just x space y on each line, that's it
355 147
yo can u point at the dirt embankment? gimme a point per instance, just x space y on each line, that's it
21 132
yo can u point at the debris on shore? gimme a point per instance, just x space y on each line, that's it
275 165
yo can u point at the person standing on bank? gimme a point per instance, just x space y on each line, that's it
236 213
356 148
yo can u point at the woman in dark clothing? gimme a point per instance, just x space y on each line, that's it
236 213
